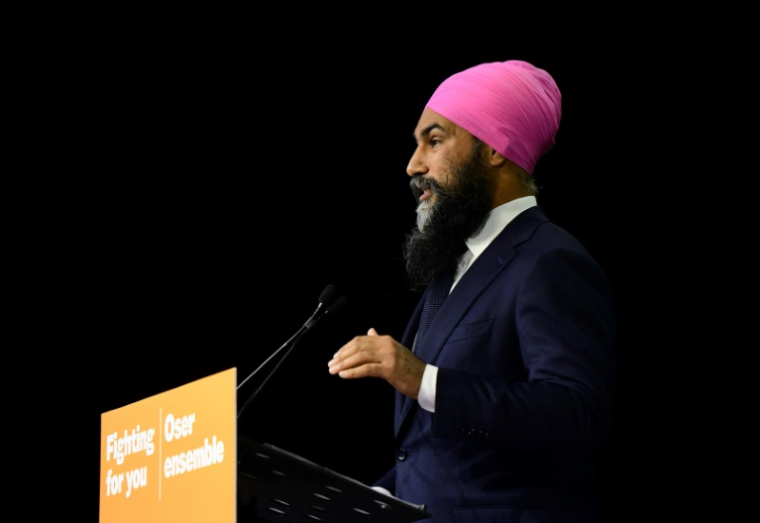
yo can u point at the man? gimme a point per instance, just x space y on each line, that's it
502 407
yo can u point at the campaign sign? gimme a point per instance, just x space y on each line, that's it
172 456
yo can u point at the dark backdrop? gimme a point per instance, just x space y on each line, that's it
224 186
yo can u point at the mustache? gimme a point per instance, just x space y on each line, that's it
419 184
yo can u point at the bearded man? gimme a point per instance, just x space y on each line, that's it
504 376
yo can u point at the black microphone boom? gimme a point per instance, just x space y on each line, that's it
331 301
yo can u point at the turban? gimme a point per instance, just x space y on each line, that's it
512 106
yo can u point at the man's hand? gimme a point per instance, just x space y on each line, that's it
379 357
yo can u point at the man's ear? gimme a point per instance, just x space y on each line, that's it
495 158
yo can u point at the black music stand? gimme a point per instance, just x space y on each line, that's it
277 485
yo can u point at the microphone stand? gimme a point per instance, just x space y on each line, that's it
330 300
292 343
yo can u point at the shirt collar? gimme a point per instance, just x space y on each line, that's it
497 219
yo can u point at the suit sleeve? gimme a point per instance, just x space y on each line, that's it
563 323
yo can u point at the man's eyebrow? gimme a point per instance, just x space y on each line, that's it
426 131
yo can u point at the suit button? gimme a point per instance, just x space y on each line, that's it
401 455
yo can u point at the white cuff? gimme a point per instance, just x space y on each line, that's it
426 397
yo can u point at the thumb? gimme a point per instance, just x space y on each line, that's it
372 332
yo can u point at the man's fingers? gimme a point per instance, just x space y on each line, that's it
349 360
362 371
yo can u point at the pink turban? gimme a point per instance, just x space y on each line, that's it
512 106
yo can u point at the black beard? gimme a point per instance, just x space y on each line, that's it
459 212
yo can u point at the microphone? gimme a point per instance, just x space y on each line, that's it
331 301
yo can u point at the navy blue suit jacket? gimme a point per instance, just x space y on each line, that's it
525 346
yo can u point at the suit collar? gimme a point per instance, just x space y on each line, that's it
495 222
497 219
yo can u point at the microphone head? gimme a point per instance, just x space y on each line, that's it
340 304
329 295
331 300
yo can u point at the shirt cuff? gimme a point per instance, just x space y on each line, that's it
426 397
383 490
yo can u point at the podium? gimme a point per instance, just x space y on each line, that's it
177 456
279 486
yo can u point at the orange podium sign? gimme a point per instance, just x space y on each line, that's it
172 456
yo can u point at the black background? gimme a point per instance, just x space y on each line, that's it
225 183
